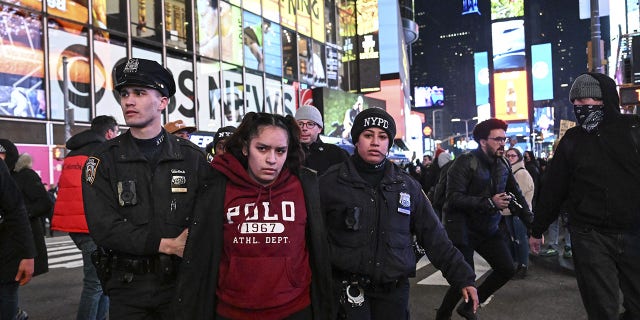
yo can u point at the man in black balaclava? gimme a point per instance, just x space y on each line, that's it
595 171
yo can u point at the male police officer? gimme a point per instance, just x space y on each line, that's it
139 190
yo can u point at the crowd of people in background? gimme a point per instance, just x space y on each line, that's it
168 231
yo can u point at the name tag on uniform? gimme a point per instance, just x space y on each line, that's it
405 203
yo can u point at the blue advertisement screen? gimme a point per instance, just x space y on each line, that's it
272 48
542 72
481 66
253 41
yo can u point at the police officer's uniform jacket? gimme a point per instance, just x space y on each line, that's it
370 227
131 204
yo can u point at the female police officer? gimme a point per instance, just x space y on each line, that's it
372 208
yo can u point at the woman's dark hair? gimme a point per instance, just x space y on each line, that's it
483 129
518 153
250 127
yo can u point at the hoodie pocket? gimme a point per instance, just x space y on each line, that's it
261 282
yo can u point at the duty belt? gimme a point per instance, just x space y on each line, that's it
161 264
366 283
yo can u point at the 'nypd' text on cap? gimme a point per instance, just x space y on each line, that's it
144 73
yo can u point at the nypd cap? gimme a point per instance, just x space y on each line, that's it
144 73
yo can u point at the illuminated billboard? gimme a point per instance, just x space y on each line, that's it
272 45
508 45
541 72
368 45
543 122
510 92
340 108
504 9
429 96
21 66
470 6
481 68
253 41
317 20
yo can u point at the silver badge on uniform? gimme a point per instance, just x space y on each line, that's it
405 203
178 184
90 169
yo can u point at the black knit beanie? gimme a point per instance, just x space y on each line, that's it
373 117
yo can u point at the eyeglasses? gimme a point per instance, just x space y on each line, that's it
498 139
511 156
309 125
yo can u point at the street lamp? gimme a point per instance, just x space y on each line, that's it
466 125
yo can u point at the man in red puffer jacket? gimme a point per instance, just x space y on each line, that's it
68 213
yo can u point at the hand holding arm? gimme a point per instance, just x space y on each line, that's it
25 271
174 245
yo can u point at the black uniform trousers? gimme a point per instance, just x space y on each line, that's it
145 297
495 251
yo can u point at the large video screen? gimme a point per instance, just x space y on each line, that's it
253 41
508 45
504 9
429 96
340 108
543 122
481 68
510 90
21 66
541 72
470 6
272 44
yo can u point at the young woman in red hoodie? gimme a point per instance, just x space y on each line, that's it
257 246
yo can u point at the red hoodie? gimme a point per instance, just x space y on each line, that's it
264 269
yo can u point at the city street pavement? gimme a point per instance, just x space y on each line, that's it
545 294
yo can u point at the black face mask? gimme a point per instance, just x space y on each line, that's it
589 116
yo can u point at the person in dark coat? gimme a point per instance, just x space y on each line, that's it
16 242
139 190
372 209
36 200
595 175
319 156
479 185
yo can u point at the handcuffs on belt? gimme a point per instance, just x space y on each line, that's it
353 294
